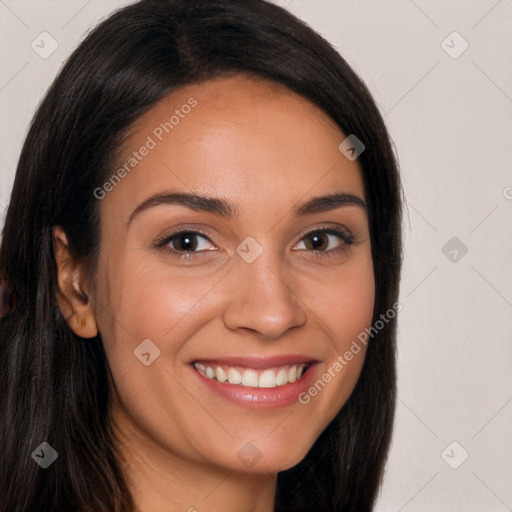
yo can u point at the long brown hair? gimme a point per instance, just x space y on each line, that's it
53 384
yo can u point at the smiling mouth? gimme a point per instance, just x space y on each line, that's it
276 376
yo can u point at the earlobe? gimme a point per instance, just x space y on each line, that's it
74 303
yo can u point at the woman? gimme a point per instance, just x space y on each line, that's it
204 242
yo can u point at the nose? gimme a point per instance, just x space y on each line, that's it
261 301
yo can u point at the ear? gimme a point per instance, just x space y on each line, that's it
74 303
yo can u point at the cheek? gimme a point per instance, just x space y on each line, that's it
355 303
345 307
346 303
146 301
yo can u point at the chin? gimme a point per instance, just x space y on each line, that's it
269 459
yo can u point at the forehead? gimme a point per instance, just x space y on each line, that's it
255 142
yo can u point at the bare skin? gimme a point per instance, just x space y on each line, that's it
266 151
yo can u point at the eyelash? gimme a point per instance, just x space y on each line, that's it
162 242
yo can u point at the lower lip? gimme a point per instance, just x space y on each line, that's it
261 398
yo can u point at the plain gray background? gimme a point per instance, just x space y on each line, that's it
449 112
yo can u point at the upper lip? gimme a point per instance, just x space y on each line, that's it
258 362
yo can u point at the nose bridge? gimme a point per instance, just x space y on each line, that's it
262 300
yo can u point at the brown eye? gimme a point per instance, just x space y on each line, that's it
184 243
317 241
327 240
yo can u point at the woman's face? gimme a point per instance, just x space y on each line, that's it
273 271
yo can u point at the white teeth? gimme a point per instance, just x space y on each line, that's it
250 378
281 378
234 376
221 374
269 378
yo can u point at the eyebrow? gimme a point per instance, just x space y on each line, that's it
227 210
